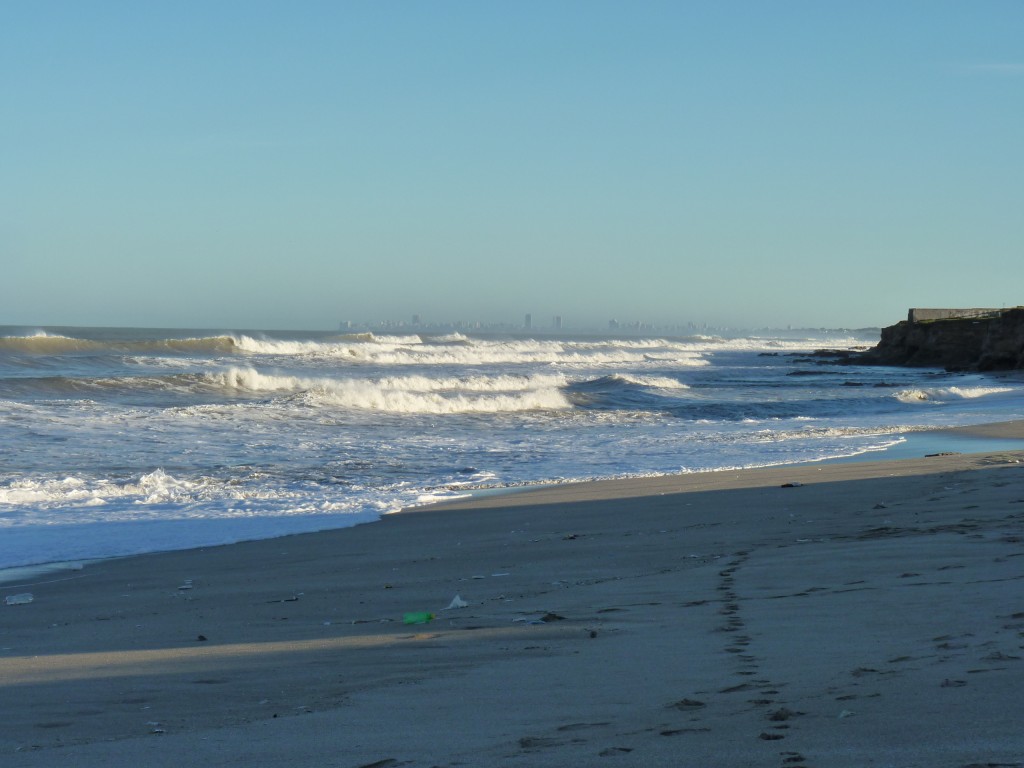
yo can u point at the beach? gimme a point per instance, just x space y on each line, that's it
824 614
512 385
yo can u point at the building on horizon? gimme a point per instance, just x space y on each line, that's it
528 321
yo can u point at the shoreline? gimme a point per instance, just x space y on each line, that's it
742 617
974 438
979 438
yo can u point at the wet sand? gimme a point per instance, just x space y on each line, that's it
847 614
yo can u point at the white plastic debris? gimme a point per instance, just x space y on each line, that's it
457 602
21 599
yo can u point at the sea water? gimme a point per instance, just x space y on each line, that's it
121 441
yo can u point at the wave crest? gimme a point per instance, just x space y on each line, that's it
947 394
43 343
409 394
461 350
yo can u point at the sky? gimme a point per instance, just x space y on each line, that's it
289 165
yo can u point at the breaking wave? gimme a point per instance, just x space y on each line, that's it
43 343
410 394
459 350
947 394
657 382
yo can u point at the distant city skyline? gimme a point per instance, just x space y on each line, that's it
557 323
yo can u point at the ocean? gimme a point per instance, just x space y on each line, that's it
123 441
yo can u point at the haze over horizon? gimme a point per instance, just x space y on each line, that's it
743 164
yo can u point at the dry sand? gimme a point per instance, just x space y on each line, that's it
872 615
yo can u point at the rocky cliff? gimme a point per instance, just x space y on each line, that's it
981 344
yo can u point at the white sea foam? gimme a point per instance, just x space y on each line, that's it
359 395
174 496
349 346
947 394
449 338
657 382
503 383
397 340
819 433
36 492
411 394
151 488
414 351
772 345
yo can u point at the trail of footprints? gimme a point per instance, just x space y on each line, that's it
777 719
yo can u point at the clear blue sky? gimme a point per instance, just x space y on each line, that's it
292 164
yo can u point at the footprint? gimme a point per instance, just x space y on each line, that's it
612 751
581 726
866 671
538 742
1000 656
735 688
687 705
677 731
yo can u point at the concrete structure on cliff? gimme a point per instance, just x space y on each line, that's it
918 315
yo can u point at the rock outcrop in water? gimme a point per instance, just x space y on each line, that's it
987 342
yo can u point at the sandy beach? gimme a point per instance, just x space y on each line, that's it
846 614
